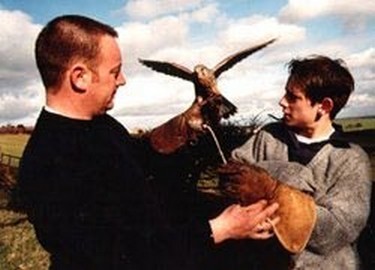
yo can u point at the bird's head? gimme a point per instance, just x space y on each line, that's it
201 70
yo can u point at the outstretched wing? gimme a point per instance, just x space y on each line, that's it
169 69
233 59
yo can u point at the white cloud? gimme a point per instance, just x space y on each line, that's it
139 40
257 29
359 105
20 91
152 8
206 14
362 65
365 58
17 37
164 38
297 10
18 108
191 32
152 94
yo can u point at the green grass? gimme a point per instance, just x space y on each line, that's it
19 248
11 148
13 144
357 123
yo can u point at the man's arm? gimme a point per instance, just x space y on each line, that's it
344 210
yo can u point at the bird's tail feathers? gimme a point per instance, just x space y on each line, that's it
216 108
228 108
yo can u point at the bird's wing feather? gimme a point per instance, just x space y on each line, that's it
233 59
168 68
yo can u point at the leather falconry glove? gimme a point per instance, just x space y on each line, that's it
185 127
297 211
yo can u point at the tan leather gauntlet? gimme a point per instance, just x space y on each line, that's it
172 135
297 211
179 130
185 127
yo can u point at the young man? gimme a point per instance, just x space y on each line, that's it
83 187
334 172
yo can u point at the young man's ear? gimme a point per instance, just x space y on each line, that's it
325 108
80 77
326 105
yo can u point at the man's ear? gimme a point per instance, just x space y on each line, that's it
327 105
80 77
324 108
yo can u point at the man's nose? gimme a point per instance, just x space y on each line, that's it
121 79
282 102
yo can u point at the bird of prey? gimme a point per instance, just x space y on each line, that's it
204 79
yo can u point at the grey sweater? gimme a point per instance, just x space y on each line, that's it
338 178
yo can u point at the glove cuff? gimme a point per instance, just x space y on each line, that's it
172 135
297 212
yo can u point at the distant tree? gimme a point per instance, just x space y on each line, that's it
20 129
16 129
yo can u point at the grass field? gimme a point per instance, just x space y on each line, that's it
11 148
13 144
19 249
357 123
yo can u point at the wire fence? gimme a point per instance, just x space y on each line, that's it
9 160
8 171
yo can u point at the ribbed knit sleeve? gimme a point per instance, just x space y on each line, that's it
344 209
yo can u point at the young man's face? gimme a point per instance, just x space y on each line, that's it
297 108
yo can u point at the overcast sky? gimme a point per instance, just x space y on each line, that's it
189 32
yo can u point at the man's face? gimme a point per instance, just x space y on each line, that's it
297 108
107 76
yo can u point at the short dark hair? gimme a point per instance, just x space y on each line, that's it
320 77
65 39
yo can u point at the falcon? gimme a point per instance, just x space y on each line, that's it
204 78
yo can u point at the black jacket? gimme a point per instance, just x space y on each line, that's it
91 204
